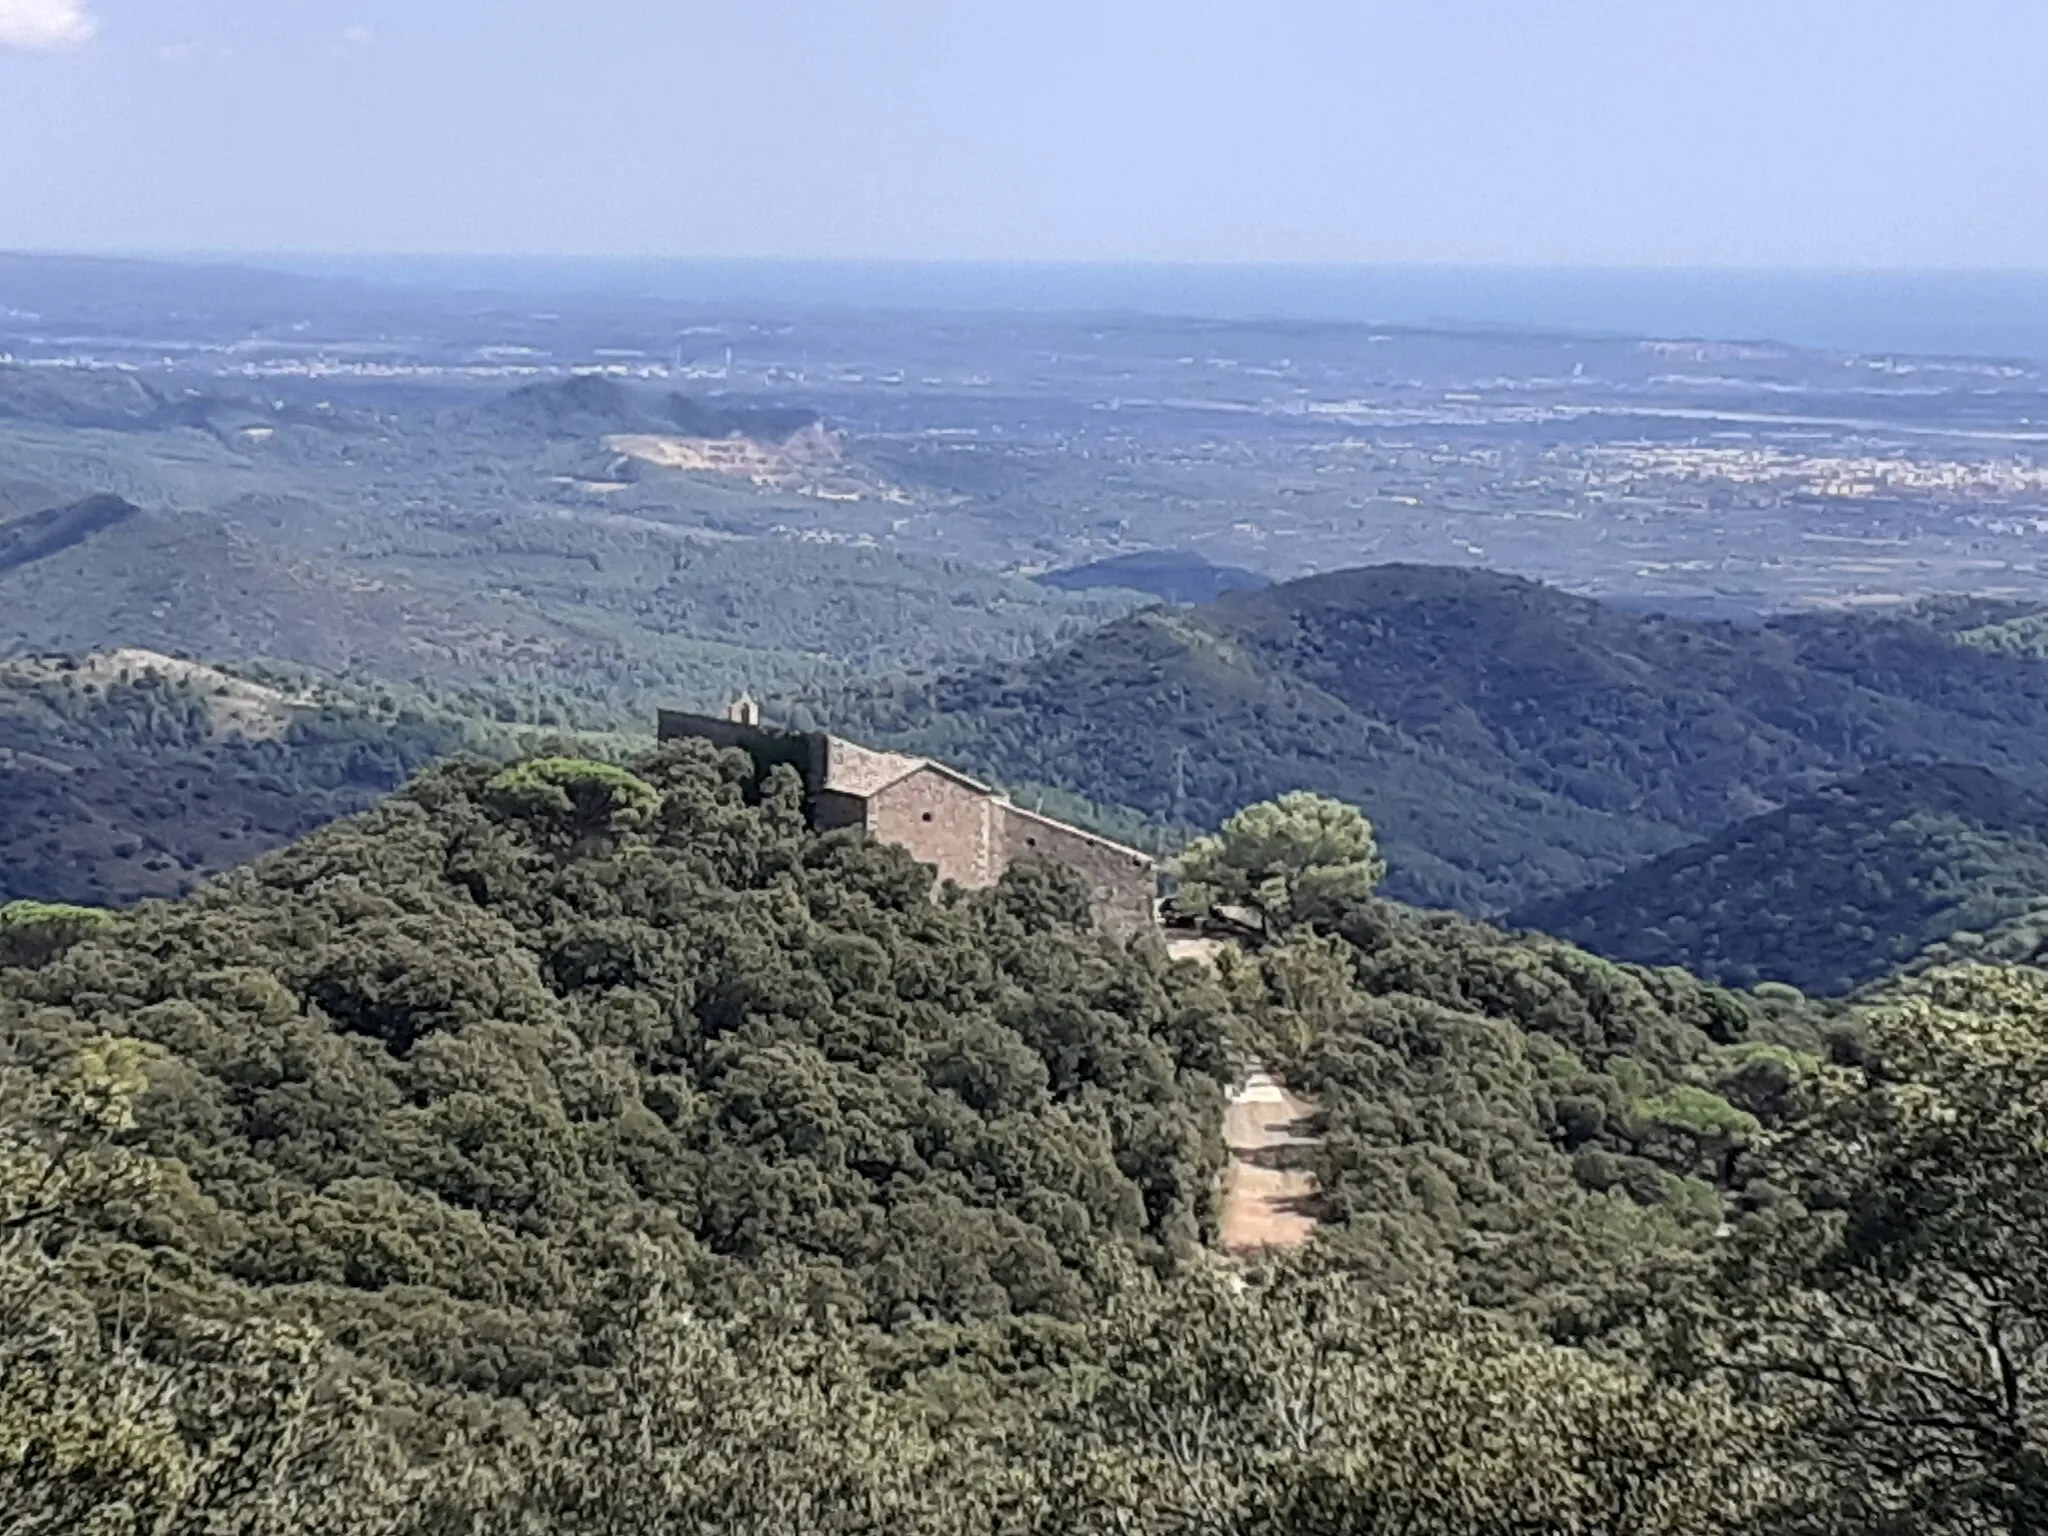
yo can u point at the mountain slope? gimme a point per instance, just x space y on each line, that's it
571 1127
85 398
1171 575
103 573
526 1042
128 775
1830 892
1511 740
1161 715
38 535
610 599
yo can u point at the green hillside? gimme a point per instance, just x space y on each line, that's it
1511 740
627 613
1835 890
574 1146
130 774
545 1009
479 1107
452 538
591 406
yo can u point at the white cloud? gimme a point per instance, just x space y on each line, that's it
43 24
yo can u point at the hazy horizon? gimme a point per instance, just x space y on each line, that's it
1980 313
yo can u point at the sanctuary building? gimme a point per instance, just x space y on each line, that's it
968 832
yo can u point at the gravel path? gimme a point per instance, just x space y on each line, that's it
1267 1200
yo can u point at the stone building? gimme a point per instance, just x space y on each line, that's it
969 833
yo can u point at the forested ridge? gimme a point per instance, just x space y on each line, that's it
129 774
1170 575
1836 890
622 601
1511 740
576 1145
592 406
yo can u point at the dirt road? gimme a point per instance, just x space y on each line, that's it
1266 1202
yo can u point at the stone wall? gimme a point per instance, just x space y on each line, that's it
804 751
1122 883
965 831
941 820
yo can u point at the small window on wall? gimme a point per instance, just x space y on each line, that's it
927 815
1030 842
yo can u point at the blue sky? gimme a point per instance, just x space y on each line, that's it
1747 133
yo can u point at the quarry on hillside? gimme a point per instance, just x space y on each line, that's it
808 462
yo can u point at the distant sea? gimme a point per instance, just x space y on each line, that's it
1996 314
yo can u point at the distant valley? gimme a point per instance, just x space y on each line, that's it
1703 475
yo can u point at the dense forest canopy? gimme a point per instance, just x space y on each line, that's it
588 1145
578 1003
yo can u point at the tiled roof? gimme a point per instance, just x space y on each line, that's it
851 769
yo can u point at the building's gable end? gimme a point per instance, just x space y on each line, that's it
942 819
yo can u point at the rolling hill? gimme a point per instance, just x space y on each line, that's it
1511 740
104 572
1171 575
130 774
609 601
1835 890
573 1121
